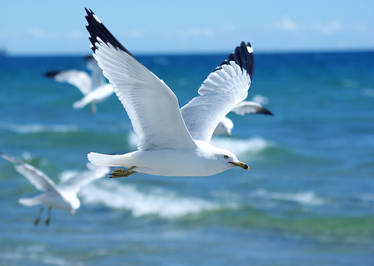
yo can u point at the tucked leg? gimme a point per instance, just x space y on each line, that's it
48 220
123 172
37 220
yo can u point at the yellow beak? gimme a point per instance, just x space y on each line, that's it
240 164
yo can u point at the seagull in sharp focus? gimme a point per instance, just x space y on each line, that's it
62 196
173 141
94 88
246 107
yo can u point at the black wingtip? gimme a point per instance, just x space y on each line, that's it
243 56
88 58
88 11
51 74
97 30
265 111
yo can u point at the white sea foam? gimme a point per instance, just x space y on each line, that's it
260 99
151 201
36 128
26 156
368 92
133 139
237 146
367 197
241 146
160 60
67 174
304 198
350 83
35 254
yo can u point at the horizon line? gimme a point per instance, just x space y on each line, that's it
181 53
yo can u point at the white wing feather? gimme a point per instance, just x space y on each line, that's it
97 78
152 107
36 177
248 107
95 96
223 89
224 127
79 79
73 184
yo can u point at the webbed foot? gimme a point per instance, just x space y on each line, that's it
36 222
122 172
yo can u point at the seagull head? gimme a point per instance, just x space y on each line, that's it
230 160
74 205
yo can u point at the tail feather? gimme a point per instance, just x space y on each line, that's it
80 104
93 108
30 201
107 160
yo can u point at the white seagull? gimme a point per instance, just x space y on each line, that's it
62 196
172 141
245 107
94 88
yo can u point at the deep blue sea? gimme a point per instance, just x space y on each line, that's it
308 199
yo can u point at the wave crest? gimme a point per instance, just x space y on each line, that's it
154 201
304 198
241 146
37 128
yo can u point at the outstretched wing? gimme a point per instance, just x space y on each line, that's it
36 177
95 96
223 89
79 79
97 77
248 107
73 185
152 107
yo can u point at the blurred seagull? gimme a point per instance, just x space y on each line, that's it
172 141
93 88
62 196
245 107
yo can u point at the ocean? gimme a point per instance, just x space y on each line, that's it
307 200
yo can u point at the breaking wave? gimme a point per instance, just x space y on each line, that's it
36 128
154 201
241 146
237 146
260 99
304 198
368 92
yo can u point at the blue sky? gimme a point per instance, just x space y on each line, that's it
58 27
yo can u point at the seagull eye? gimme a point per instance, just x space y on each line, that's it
225 156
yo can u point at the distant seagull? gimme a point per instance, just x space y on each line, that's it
245 107
172 141
94 88
62 196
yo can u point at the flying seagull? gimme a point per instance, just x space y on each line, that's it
94 88
172 141
246 107
62 196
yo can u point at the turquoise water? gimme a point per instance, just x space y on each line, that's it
308 199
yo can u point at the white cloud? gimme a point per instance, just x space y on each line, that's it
40 34
286 24
198 32
134 34
37 33
360 28
330 27
227 28
75 35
